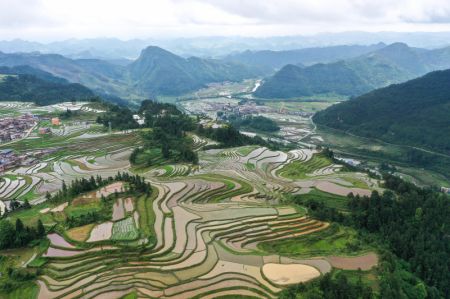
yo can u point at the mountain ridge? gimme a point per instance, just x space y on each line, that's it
394 63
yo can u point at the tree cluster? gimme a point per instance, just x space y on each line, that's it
169 126
229 136
258 123
414 224
136 183
337 287
120 118
19 235
83 219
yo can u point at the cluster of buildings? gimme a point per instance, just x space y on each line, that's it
140 119
10 159
46 130
243 108
12 128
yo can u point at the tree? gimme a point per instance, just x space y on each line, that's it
6 234
19 225
40 228
26 204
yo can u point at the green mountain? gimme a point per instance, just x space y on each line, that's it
155 72
30 85
392 64
96 74
414 113
272 60
159 72
292 81
28 70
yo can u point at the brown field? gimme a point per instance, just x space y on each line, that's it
364 262
80 233
289 273
85 199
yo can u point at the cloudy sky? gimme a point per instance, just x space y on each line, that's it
46 20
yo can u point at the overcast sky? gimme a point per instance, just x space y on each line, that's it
47 20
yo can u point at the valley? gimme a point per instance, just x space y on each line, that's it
220 186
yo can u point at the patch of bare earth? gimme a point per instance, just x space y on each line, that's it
364 262
285 274
80 233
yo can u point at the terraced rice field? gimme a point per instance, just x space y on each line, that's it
198 235
202 232
105 157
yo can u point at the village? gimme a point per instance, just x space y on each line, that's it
13 128
16 128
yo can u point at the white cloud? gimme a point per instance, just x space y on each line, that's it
57 19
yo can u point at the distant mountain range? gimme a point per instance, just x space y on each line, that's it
24 83
217 46
391 64
272 60
414 113
156 72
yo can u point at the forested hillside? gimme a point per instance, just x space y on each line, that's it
413 113
29 88
392 64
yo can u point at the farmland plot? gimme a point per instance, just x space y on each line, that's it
189 239
125 230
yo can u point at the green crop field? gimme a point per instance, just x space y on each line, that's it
335 240
125 230
299 170
330 200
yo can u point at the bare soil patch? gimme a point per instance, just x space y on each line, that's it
289 273
80 233
364 262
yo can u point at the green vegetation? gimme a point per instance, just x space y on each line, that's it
336 285
413 113
299 170
132 295
228 136
120 118
328 199
29 88
391 64
19 235
83 185
159 72
412 225
335 240
293 81
258 123
124 230
146 213
377 152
